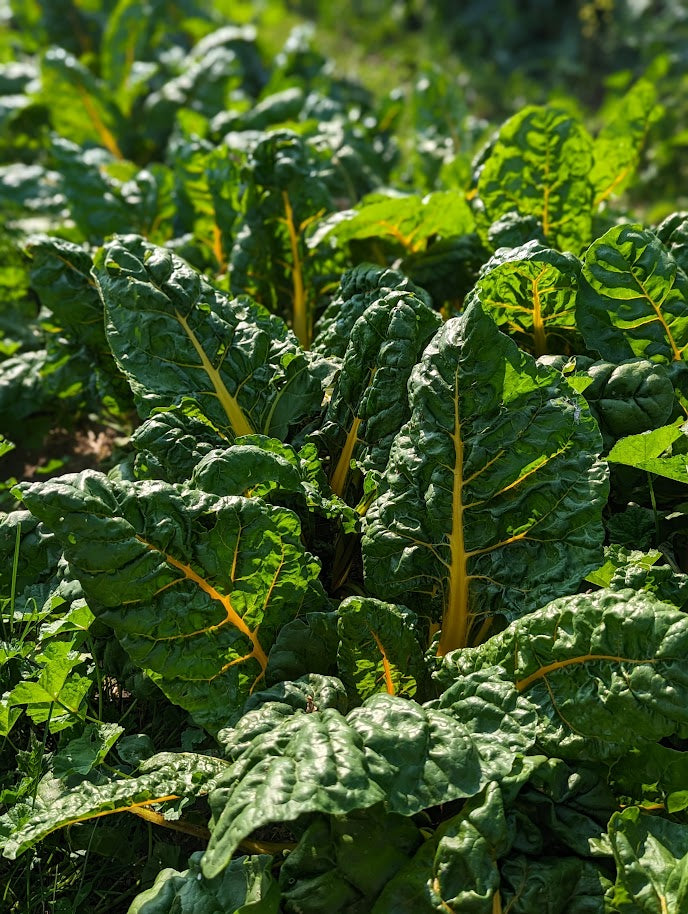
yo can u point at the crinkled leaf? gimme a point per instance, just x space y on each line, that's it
171 443
306 644
492 496
341 863
673 233
245 886
86 752
380 648
61 276
195 586
260 467
540 166
617 557
606 670
531 292
553 885
176 337
633 300
456 869
389 751
631 397
651 856
164 776
359 288
369 403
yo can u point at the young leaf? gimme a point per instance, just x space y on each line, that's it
492 496
195 586
246 886
387 752
380 648
180 341
540 166
369 403
633 298
652 863
643 452
531 291
359 288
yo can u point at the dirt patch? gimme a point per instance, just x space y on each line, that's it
87 446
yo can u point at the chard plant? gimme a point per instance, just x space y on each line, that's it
394 551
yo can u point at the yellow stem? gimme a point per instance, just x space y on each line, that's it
300 318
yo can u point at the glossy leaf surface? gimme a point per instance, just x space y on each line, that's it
176 337
491 499
195 586
531 292
606 670
540 167
633 298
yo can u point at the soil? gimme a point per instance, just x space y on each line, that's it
87 445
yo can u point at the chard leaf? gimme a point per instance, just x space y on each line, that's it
606 670
178 340
80 107
389 751
369 402
540 167
246 886
407 220
456 869
492 497
195 586
341 863
61 276
307 644
260 467
359 288
673 233
531 292
629 398
380 648
166 776
643 452
617 148
553 885
170 444
652 863
633 298
616 558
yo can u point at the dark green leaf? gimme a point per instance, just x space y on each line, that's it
477 506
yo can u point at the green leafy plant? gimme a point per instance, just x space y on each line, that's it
381 606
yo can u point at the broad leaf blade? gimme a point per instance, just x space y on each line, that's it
195 586
178 338
607 671
492 496
618 146
540 167
633 298
652 863
531 292
164 777
389 751
369 402
380 648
